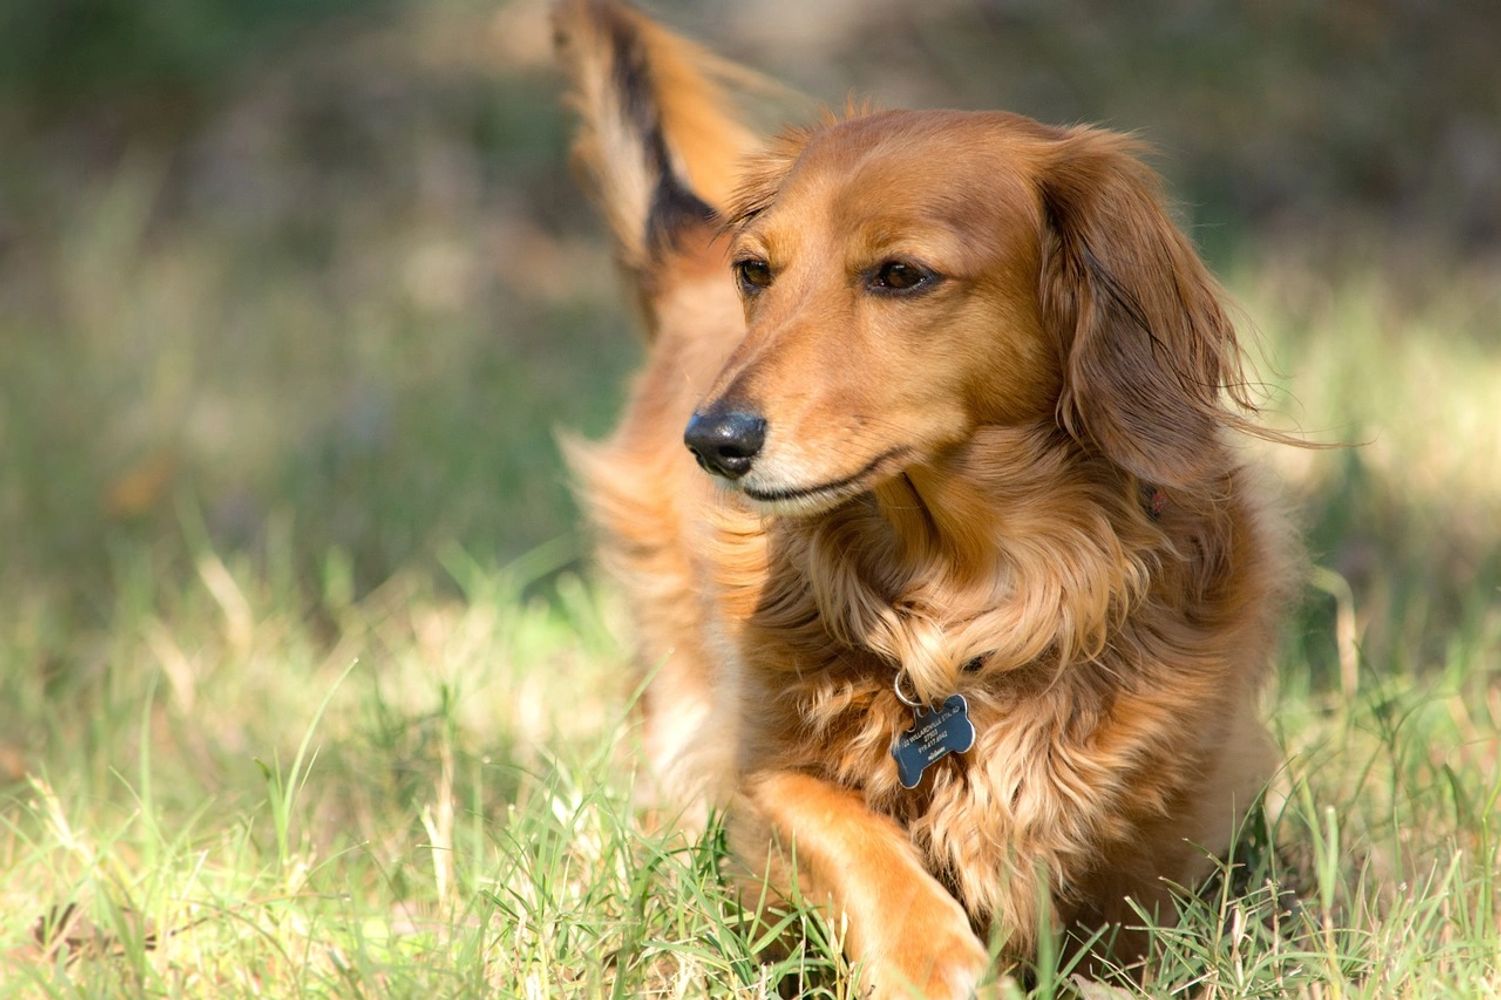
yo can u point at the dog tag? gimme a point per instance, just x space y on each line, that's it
933 736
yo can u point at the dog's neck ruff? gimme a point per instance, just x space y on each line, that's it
1009 550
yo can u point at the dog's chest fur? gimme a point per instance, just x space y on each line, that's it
1065 689
1108 662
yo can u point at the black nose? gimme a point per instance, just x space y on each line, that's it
725 443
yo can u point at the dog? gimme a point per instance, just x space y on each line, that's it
958 600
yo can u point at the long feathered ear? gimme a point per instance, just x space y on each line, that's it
658 139
1149 354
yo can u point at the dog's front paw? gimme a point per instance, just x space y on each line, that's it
931 962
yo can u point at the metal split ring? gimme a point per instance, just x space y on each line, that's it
901 696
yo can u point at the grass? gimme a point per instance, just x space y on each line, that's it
408 793
243 778
306 687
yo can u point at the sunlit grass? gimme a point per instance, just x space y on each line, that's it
409 793
248 747
429 790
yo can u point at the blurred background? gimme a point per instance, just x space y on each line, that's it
305 285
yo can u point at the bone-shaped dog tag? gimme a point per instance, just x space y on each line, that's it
933 736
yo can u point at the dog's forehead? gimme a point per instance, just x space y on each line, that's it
962 170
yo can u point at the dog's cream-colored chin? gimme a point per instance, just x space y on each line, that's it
800 506
779 500
772 492
789 500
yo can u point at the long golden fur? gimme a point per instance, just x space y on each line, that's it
1013 482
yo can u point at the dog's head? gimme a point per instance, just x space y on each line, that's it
908 277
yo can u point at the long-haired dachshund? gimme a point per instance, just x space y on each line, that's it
958 599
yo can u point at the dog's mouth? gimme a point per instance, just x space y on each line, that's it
821 496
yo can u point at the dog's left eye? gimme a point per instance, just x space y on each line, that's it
752 274
900 276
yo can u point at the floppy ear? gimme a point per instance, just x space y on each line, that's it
1147 346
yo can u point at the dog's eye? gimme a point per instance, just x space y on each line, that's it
900 276
752 274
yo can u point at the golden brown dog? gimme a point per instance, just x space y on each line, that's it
956 395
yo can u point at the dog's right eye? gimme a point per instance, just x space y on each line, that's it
752 274
899 277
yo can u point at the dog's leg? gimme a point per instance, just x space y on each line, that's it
909 934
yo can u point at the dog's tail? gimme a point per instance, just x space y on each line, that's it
657 142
